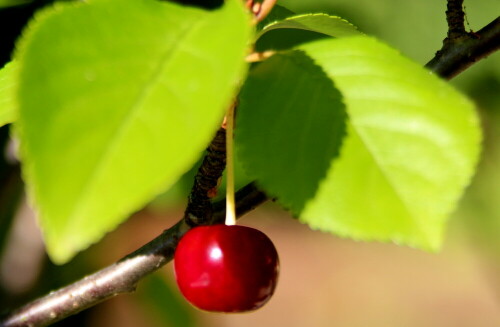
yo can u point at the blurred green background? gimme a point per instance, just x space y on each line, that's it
325 281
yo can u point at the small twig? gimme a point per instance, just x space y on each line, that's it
455 17
121 277
265 9
260 9
461 49
230 203
199 207
455 57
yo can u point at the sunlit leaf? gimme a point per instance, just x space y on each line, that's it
411 149
117 100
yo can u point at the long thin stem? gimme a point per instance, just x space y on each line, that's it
230 206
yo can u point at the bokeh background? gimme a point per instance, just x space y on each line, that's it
325 280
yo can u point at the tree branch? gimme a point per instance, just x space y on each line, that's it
461 50
123 276
199 207
455 17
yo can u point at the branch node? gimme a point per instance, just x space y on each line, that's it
199 209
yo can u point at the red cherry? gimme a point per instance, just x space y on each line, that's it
226 268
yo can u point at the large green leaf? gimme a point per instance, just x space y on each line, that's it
291 121
117 99
412 147
294 30
7 96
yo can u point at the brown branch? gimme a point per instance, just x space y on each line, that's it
455 17
458 53
122 276
199 207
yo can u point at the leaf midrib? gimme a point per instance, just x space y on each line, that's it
170 50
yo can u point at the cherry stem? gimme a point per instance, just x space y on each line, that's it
230 206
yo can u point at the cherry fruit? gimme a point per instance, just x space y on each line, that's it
226 268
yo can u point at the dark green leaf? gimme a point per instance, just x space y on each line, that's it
277 13
290 124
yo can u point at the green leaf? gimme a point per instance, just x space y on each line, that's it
7 101
412 148
277 13
290 124
291 31
117 100
321 23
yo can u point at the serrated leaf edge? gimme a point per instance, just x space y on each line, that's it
270 27
242 148
399 240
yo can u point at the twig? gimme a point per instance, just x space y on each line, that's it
460 48
121 277
456 57
260 9
265 9
199 207
455 17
